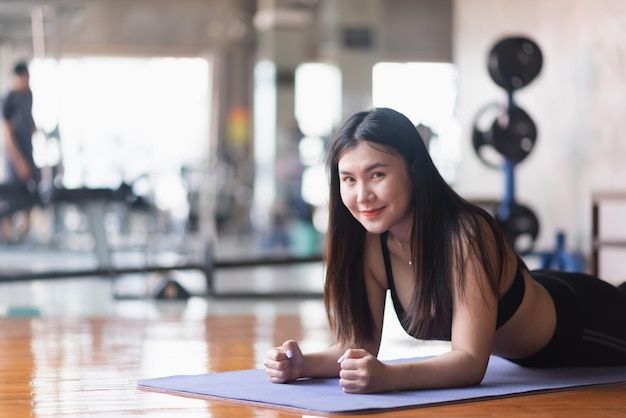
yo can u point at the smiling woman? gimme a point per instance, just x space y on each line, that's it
463 281
375 187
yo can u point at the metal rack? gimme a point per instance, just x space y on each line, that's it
598 242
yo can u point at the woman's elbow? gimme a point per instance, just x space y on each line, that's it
476 375
476 378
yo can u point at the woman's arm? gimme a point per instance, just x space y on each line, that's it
287 363
473 328
329 362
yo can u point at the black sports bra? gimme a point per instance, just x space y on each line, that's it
508 303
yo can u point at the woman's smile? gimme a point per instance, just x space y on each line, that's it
372 213
375 186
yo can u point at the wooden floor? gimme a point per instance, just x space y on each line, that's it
89 368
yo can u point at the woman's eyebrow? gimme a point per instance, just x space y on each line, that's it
376 165
371 167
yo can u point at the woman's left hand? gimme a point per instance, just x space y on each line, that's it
362 372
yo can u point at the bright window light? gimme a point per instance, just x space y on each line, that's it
426 93
121 118
318 98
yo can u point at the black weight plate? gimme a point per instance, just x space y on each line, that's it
514 62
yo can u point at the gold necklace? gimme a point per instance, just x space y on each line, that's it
402 248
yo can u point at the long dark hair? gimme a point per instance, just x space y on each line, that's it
446 230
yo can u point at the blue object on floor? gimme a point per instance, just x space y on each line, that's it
561 259
23 312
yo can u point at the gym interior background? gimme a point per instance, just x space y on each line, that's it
195 131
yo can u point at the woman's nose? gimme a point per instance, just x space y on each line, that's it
364 194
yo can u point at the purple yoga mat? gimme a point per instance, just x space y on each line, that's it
503 379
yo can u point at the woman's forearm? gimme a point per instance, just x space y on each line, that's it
453 369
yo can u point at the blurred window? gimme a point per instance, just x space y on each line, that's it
121 118
426 93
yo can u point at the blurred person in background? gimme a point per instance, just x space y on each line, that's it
19 127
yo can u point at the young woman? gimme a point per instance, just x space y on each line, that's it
396 224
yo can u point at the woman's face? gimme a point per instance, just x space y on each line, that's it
375 187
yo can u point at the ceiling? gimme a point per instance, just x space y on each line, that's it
15 19
20 19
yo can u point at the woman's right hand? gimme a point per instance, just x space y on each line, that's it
284 364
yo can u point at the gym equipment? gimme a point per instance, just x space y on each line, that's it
511 133
519 222
15 198
164 290
93 202
514 62
560 258
521 227
514 134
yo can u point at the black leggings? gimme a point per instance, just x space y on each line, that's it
591 322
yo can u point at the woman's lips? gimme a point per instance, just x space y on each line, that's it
370 213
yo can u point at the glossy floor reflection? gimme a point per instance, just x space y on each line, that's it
89 367
74 367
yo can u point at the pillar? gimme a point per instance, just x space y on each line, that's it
284 36
350 39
